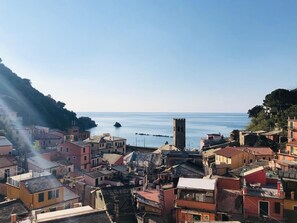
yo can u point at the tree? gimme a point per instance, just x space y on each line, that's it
255 111
280 99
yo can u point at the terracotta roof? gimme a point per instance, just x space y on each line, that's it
152 195
261 150
228 152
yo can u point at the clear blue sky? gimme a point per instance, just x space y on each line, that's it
182 56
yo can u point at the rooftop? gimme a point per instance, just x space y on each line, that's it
11 207
165 148
228 152
267 191
84 214
42 163
69 195
111 158
43 183
47 136
193 183
152 195
79 143
99 173
4 141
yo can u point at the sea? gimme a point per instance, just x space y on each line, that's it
155 123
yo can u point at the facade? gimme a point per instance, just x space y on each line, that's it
292 129
78 153
196 200
179 133
47 140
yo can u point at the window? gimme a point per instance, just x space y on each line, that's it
85 157
84 150
67 150
61 149
277 207
74 157
41 197
197 218
57 193
295 208
50 195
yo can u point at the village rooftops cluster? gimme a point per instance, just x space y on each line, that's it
75 177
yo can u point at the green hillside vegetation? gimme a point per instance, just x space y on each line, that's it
35 108
274 112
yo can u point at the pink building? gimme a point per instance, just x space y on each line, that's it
263 197
77 153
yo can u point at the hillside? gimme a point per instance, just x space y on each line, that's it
36 109
274 112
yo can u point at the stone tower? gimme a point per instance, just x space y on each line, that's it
179 133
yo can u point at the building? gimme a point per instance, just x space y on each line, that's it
48 140
59 168
196 200
84 214
5 146
78 153
7 167
42 193
211 140
263 196
230 158
288 158
292 129
99 177
179 133
106 144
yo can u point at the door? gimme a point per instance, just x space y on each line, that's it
263 209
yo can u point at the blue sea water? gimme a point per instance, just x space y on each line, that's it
197 125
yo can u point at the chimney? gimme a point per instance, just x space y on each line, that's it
13 218
292 195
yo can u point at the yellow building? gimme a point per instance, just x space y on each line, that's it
231 157
40 192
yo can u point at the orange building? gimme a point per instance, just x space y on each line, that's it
288 158
40 192
196 200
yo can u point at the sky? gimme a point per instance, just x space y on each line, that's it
152 56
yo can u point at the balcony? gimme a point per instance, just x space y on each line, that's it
196 200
